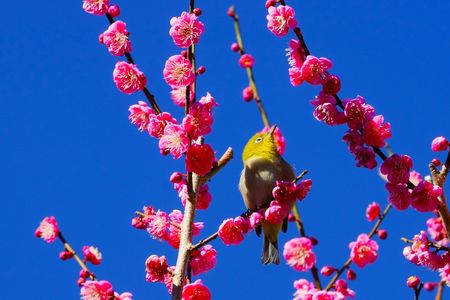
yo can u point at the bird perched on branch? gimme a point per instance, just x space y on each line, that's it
263 166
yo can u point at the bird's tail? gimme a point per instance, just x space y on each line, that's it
270 252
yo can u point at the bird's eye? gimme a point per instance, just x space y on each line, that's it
258 140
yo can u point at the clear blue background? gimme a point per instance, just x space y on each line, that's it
68 149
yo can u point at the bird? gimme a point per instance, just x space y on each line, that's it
263 166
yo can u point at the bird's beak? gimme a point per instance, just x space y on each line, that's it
272 129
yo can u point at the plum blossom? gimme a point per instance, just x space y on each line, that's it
357 112
157 123
96 290
178 95
128 78
203 198
365 157
123 296
313 69
439 143
157 224
298 254
399 195
280 19
246 61
325 110
198 121
47 230
256 219
203 259
397 168
437 230
295 54
178 71
303 189
413 281
331 85
96 7
196 291
174 140
92 255
140 115
424 196
280 142
372 211
420 254
445 274
276 212
114 10
156 268
185 30
247 94
173 236
375 132
363 251
304 290
199 159
341 288
353 139
232 231
116 38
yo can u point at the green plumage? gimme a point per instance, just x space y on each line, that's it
263 166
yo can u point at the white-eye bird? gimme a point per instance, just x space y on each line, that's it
263 166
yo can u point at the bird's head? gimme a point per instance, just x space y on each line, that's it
261 145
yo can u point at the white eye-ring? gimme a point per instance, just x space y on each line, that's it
258 140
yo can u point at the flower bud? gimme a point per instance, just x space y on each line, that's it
235 47
382 234
413 281
247 93
327 270
351 275
114 10
201 70
436 162
429 286
197 11
331 85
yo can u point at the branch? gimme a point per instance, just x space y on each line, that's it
430 244
150 97
349 261
440 291
75 255
439 178
251 77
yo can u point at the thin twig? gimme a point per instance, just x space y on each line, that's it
440 291
430 244
75 255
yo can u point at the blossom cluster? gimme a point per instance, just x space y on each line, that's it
163 226
305 290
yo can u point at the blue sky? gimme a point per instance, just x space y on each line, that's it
70 151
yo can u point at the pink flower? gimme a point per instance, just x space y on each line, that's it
304 290
303 189
397 167
185 30
178 71
246 61
341 288
419 253
203 198
203 260
230 233
295 76
196 291
372 211
173 237
208 101
327 295
413 281
415 177
123 296
313 69
363 251
375 132
114 10
157 123
331 85
96 7
157 224
399 195
329 114
357 112
128 78
199 159
276 213
174 140
198 121
256 219
92 255
47 230
424 196
280 142
178 95
298 254
439 143
285 193
353 139
247 93
365 157
97 290
280 19
445 274
437 230
295 54
116 39
156 268
168 279
140 115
